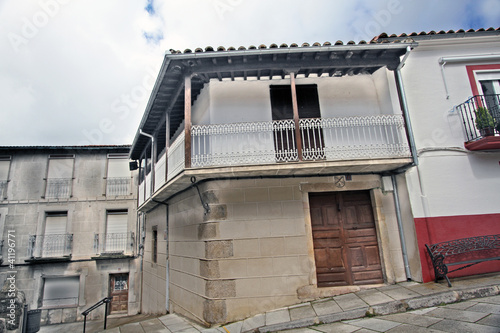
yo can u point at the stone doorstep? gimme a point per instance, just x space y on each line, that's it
397 306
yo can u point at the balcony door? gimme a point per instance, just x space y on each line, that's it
309 113
490 85
54 240
116 232
344 238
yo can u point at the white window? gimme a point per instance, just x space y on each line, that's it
58 292
117 237
59 176
55 241
489 83
118 177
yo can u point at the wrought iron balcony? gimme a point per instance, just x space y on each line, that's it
481 120
58 188
117 186
50 246
114 243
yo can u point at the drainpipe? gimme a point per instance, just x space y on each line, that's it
404 107
400 228
152 160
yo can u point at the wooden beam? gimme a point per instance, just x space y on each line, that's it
295 106
187 119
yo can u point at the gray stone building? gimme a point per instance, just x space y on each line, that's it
69 228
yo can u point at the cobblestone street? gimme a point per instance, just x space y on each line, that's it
475 316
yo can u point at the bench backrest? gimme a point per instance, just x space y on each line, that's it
465 245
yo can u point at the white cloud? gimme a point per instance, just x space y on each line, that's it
80 71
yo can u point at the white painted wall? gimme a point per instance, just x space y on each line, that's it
447 183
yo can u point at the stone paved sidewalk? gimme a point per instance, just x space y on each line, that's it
400 298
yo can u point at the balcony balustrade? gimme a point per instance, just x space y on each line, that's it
50 246
481 121
118 186
275 142
331 139
114 243
58 188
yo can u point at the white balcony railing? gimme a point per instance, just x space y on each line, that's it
58 188
363 137
118 186
50 246
176 157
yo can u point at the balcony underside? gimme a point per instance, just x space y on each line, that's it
291 169
486 143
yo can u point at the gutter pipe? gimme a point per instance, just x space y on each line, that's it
457 59
400 228
404 107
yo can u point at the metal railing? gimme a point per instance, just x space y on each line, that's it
105 301
49 246
58 188
481 116
118 186
3 189
114 243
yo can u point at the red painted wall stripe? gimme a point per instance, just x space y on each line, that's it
432 230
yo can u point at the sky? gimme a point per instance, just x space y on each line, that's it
80 72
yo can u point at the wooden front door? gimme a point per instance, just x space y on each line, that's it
345 240
118 291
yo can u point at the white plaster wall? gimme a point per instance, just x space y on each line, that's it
447 183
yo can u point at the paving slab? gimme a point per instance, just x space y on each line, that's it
349 302
254 322
428 288
379 325
131 328
326 307
400 293
491 320
277 317
491 299
301 311
336 328
461 315
406 328
454 326
234 327
486 308
413 319
373 296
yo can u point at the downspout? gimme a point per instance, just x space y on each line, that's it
400 228
152 161
404 107
414 154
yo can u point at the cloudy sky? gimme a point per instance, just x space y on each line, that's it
78 72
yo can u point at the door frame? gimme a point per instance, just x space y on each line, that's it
373 185
110 275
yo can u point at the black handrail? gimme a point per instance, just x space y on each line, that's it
105 301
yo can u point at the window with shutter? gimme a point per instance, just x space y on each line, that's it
59 176
118 176
116 231
59 292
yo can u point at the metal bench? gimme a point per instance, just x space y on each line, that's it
465 251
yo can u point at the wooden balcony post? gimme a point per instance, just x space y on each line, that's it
187 119
295 107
